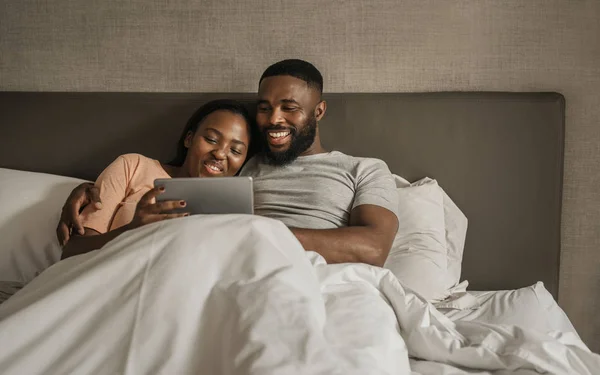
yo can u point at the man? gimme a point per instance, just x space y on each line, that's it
337 205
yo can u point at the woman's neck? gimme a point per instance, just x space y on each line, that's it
175 172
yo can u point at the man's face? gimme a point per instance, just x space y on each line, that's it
286 117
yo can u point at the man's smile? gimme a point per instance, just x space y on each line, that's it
278 137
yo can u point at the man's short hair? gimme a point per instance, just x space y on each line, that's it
296 68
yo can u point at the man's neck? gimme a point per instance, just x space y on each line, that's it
315 148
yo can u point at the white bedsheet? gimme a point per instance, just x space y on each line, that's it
532 307
419 367
238 295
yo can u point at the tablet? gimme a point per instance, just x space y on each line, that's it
209 195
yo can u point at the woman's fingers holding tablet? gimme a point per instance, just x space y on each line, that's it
167 206
149 203
148 211
150 196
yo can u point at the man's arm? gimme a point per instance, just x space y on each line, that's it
146 212
70 219
368 239
89 241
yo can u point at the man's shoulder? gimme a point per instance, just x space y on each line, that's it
250 166
354 165
362 165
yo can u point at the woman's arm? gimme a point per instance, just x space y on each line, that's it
146 212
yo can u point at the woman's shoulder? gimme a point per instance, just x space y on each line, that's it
135 171
140 164
137 159
134 166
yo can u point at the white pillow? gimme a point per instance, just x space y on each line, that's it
30 206
418 256
456 224
456 234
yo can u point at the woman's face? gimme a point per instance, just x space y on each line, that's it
219 146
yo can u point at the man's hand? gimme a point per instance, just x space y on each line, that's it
147 211
70 220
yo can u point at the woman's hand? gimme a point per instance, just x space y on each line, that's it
147 212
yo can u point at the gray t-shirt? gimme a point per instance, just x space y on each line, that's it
319 191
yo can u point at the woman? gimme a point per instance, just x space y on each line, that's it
215 142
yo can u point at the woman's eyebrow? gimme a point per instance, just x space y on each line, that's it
216 131
238 142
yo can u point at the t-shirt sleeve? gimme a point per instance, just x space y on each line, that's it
375 185
112 183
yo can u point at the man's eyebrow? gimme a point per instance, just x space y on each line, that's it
285 101
289 101
221 134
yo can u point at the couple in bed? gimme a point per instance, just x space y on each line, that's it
342 207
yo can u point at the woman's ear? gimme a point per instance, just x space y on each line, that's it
187 142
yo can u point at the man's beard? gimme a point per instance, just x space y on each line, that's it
300 142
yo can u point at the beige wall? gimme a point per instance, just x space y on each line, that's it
418 45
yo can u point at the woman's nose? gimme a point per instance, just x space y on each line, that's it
219 153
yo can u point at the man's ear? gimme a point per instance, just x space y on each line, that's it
320 110
187 142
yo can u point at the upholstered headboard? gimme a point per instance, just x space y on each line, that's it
498 155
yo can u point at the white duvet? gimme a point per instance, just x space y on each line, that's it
238 295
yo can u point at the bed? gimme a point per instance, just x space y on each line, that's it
497 156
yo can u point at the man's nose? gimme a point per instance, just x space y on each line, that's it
276 117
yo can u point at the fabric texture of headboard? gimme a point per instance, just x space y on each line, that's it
499 156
